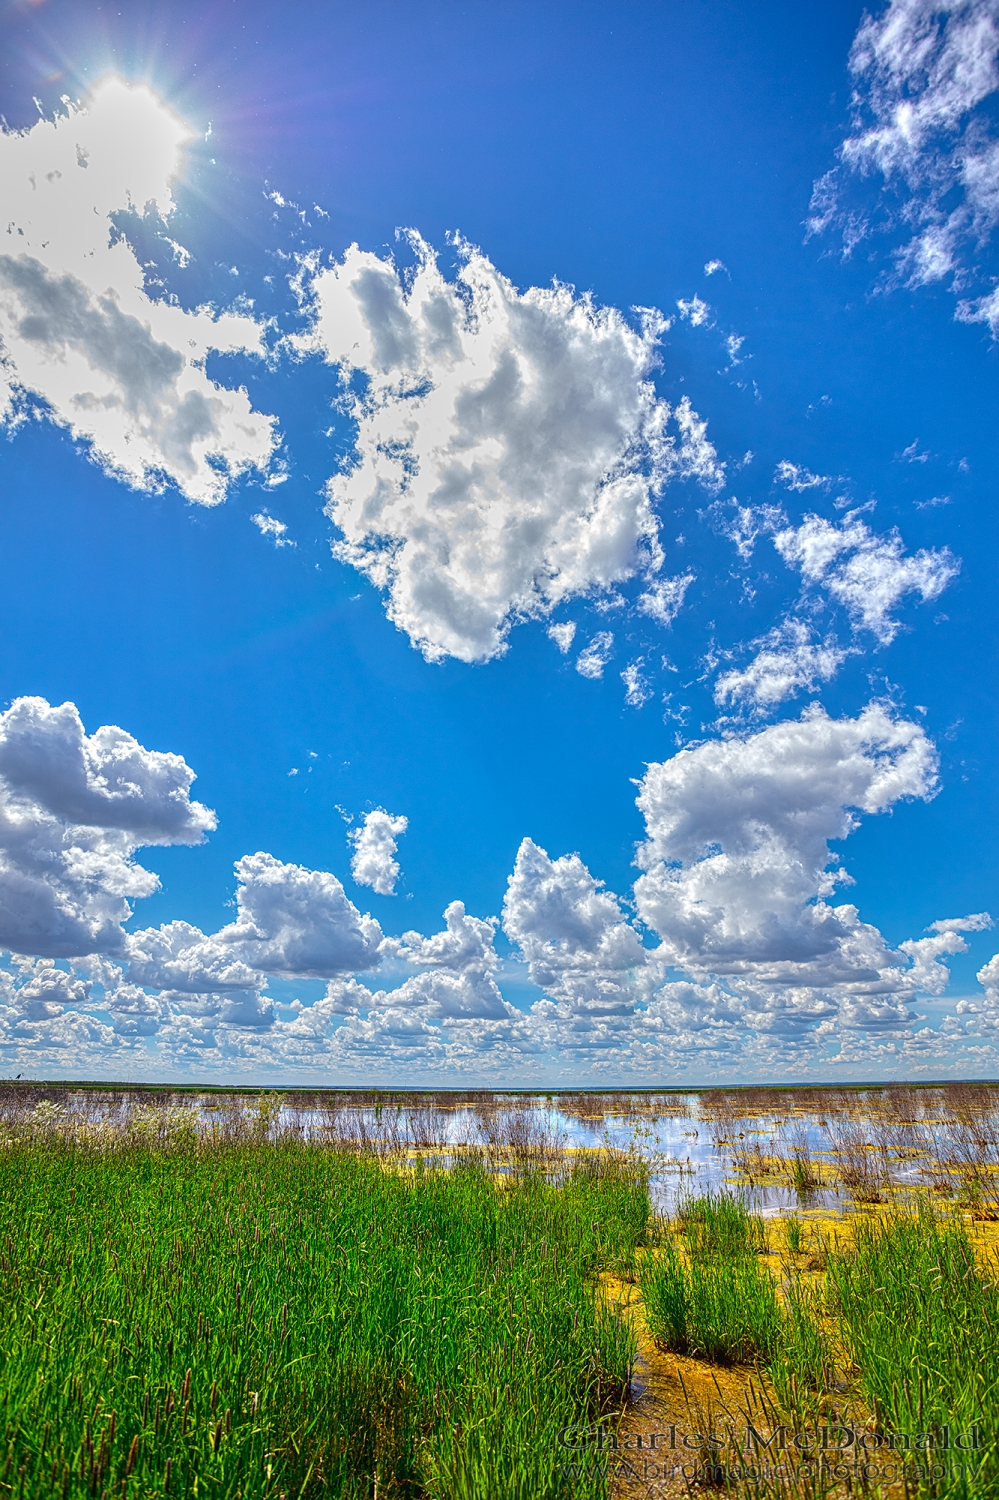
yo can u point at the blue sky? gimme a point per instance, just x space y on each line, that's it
642 447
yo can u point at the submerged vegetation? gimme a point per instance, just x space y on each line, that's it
418 1297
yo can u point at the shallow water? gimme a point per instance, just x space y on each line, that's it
939 1136
685 1159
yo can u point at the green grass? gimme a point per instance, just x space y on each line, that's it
719 1226
794 1233
913 1319
720 1303
280 1320
921 1320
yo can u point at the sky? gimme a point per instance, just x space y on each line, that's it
498 536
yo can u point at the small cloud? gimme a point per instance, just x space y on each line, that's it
978 921
664 600
674 712
912 455
180 255
562 634
592 660
611 600
293 771
637 691
272 527
786 662
797 477
696 312
711 266
733 344
373 861
744 524
867 573
936 500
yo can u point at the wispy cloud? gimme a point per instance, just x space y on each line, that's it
663 601
923 152
594 657
797 477
788 660
271 527
637 691
695 312
562 634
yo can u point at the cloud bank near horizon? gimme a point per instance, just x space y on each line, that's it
737 953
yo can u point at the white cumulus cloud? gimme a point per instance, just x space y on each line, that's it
867 573
46 992
737 880
121 370
928 972
455 980
787 661
289 920
373 861
737 862
510 445
988 978
578 943
74 808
